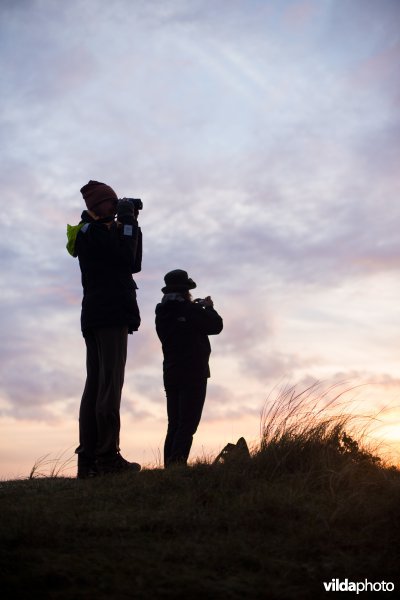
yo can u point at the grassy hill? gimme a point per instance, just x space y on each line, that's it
309 506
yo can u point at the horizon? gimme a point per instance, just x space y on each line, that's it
263 140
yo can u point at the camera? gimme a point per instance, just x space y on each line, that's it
136 202
199 301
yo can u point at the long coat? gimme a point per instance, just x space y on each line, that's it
107 259
183 328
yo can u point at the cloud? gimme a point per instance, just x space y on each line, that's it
264 144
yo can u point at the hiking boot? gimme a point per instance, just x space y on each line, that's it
116 464
87 467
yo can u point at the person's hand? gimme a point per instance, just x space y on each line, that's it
125 212
208 301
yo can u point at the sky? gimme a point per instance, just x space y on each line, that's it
263 137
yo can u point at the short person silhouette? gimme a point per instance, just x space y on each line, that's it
183 326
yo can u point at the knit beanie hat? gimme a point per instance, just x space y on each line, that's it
95 192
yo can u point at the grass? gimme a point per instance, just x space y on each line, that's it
312 503
51 467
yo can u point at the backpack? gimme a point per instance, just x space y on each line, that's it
233 452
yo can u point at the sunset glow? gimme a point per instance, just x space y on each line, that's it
263 138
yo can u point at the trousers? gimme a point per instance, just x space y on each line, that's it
99 413
184 408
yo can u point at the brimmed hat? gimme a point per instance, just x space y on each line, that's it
177 281
96 192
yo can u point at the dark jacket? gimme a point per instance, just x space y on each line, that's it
183 328
107 258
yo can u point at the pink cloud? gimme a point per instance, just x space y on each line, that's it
381 67
300 14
